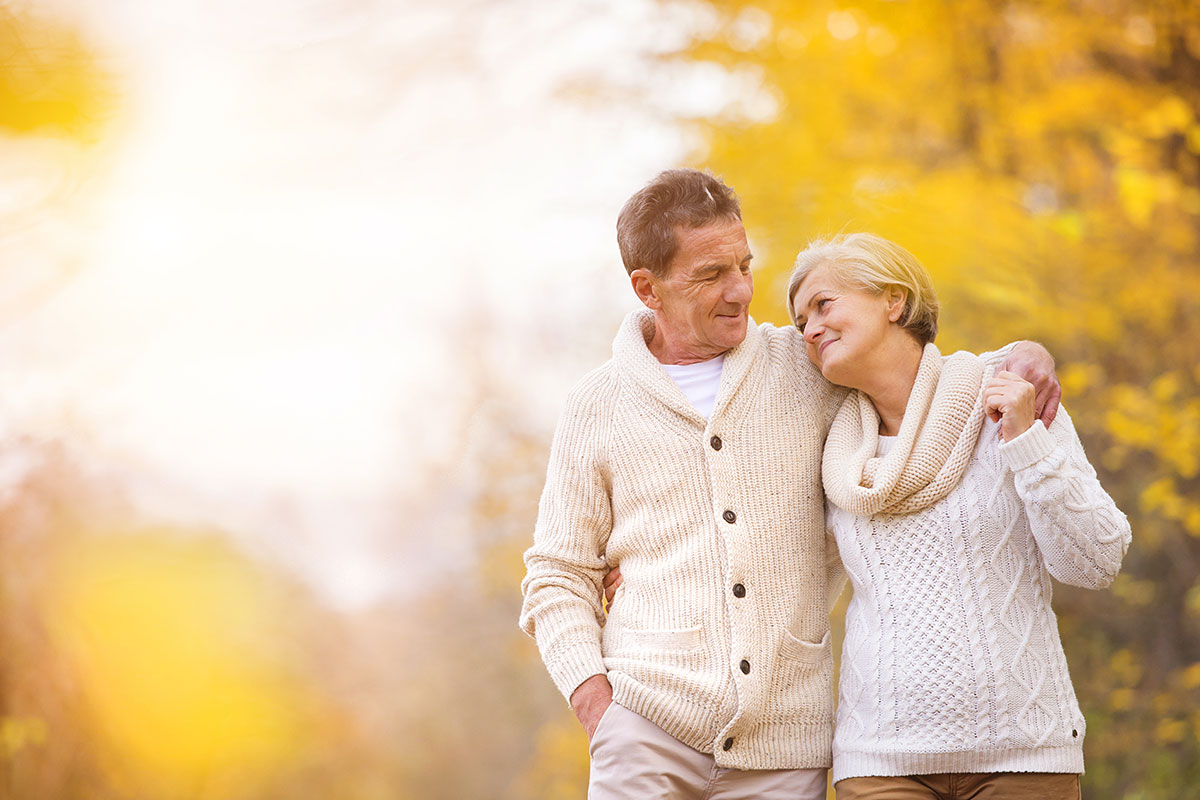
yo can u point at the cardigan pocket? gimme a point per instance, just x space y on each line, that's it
805 652
802 682
625 641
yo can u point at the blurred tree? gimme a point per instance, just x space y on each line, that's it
1043 159
181 648
44 749
56 97
50 81
149 661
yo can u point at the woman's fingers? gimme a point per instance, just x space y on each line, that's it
1010 399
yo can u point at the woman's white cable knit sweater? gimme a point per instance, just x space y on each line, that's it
952 660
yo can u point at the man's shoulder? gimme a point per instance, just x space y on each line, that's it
587 410
782 337
596 386
786 346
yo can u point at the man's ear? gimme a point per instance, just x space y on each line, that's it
645 286
897 299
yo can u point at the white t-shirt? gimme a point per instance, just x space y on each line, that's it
699 382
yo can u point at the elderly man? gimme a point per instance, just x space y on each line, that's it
693 460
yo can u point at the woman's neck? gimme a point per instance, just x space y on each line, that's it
891 385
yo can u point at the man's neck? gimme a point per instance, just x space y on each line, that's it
669 352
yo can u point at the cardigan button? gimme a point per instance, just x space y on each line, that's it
728 744
745 665
715 442
1075 734
739 590
729 516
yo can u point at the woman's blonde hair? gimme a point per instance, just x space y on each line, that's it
866 261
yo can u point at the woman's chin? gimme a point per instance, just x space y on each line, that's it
837 376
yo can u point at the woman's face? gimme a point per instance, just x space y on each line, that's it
845 327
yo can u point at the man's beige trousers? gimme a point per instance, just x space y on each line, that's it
632 758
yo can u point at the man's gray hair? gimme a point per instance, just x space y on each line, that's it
687 198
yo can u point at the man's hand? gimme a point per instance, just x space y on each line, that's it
612 582
1033 363
590 700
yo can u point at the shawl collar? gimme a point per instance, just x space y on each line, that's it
633 359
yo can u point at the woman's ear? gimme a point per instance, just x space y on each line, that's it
644 286
897 299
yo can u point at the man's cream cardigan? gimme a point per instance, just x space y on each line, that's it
720 633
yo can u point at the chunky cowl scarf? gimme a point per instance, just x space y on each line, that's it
937 436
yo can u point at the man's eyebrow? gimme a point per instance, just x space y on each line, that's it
710 269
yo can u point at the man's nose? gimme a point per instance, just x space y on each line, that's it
740 289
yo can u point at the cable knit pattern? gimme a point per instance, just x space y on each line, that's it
691 508
960 594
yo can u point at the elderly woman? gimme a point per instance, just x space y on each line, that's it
952 508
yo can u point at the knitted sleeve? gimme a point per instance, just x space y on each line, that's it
809 382
835 573
994 359
565 567
1080 531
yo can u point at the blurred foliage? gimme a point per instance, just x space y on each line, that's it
165 663
51 82
141 662
1043 159
169 640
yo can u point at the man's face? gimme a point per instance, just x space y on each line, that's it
705 297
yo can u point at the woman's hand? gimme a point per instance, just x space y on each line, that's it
1008 399
612 581
1034 363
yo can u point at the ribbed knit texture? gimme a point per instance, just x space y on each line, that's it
936 438
636 478
952 660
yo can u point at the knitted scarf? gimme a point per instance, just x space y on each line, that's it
937 437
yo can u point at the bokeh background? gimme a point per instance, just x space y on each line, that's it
291 292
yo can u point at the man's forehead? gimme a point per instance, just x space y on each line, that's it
719 237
